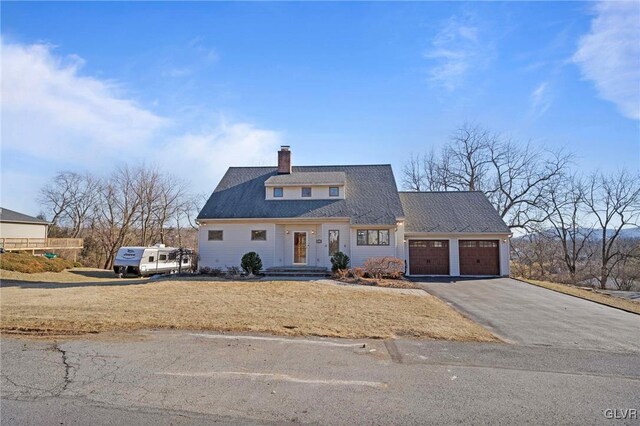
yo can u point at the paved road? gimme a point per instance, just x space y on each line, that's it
164 377
526 314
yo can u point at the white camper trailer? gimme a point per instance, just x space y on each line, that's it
157 259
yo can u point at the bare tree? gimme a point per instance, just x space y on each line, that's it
515 177
625 271
566 203
522 178
614 201
413 178
69 198
468 157
120 203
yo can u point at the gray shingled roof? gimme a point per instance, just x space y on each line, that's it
469 212
7 215
308 178
371 196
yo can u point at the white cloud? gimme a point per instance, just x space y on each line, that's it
609 55
456 50
49 109
204 156
54 118
541 99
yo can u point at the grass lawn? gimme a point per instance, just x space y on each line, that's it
86 304
605 299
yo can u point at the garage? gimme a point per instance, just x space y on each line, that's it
428 257
479 257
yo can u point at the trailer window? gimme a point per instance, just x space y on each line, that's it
151 258
162 257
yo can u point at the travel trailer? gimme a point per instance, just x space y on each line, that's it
158 259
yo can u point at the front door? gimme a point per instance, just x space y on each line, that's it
300 248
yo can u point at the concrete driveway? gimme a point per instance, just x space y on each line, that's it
526 314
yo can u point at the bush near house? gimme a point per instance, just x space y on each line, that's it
27 263
339 261
384 267
251 263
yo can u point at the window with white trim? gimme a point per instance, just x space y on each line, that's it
215 235
259 235
372 237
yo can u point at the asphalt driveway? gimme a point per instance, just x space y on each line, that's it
526 314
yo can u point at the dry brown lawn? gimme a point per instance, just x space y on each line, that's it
278 307
605 299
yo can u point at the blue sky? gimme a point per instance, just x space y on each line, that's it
198 87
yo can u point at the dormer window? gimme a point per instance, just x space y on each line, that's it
277 192
334 191
306 192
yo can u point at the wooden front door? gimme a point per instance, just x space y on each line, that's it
479 257
300 248
428 257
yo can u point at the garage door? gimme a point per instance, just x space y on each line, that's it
428 257
479 257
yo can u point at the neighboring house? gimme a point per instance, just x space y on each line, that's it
19 225
301 216
21 232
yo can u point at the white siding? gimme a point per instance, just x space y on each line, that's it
295 193
22 230
454 257
279 246
236 242
345 241
505 257
359 254
276 251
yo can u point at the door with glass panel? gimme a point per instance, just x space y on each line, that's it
300 248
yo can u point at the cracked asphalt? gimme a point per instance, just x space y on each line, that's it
179 377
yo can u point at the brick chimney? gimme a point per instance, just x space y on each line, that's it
284 160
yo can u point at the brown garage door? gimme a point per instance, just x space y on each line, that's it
479 257
428 257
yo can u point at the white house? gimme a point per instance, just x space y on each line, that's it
300 216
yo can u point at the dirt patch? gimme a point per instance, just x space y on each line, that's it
291 308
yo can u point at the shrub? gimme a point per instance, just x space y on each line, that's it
216 272
205 270
357 272
251 263
233 271
339 261
25 262
341 274
384 267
